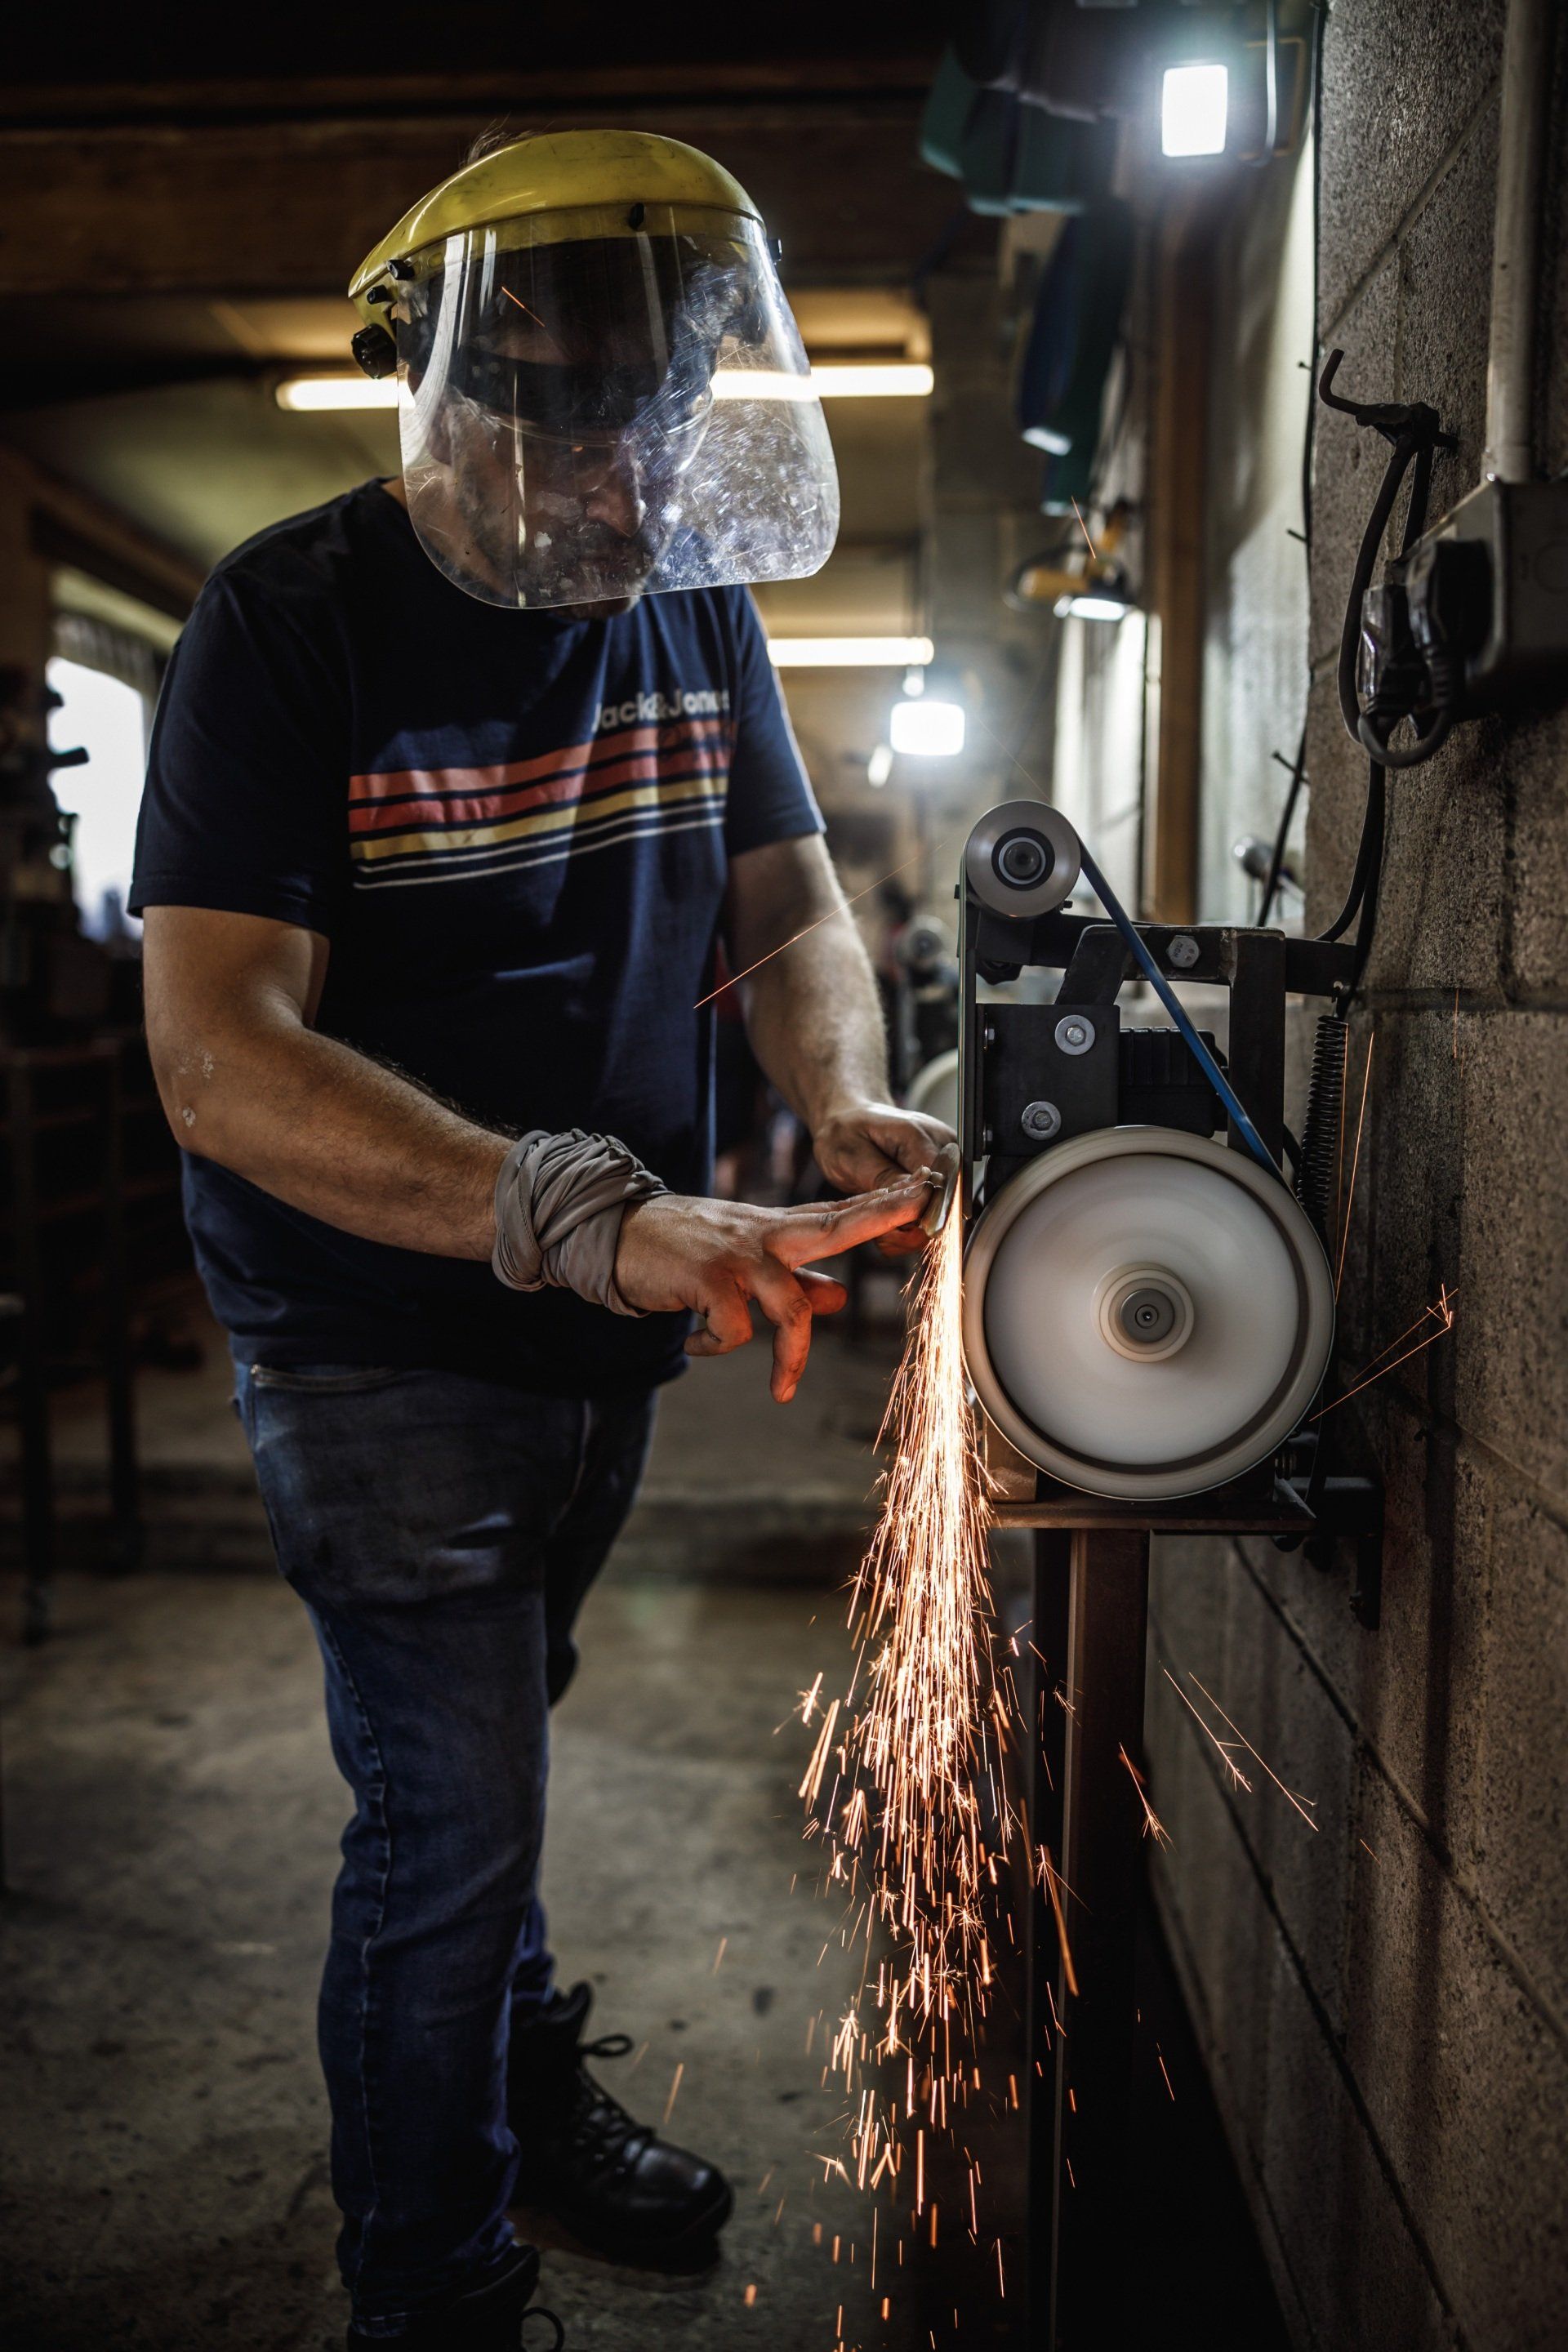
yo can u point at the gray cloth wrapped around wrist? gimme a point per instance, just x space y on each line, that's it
559 1200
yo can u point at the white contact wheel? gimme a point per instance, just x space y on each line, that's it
1147 1313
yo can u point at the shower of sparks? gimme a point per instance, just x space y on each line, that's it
905 1782
1152 1825
1356 1161
674 2088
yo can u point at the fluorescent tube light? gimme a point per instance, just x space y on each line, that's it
849 652
302 393
879 380
1092 608
857 379
1193 107
926 729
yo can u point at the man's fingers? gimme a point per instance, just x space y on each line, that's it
825 1232
784 1303
726 1323
823 1295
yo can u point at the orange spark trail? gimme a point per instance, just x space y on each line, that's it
1052 1882
1084 528
1444 1308
842 909
1239 1779
523 308
1152 1825
1252 1752
1438 1308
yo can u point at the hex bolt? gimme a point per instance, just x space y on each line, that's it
1075 1035
1183 952
1041 1120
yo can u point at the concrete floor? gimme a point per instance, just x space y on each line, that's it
173 1816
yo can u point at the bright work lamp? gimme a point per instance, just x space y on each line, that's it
926 729
1105 595
1193 104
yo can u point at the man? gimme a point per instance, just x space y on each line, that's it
444 817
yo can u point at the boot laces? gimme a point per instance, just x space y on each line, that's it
601 2117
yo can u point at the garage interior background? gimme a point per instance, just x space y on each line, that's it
1384 2007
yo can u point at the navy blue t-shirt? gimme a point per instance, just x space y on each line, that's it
514 829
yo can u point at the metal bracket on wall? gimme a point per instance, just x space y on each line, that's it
1344 1510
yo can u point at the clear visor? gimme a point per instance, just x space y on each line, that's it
594 404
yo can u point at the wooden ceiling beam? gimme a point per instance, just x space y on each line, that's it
289 208
537 95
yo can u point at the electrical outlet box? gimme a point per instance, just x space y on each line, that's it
1490 583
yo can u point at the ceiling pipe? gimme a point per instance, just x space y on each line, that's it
1516 239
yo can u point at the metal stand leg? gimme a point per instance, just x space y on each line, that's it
1081 2186
1047 1688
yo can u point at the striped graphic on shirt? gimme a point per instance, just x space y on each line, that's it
443 824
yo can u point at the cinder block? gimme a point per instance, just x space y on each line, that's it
1554 451
1510 1370
1444 304
1400 1205
1465 2083
1399 86
1522 1768
1186 1602
1283 1713
1419 1693
1208 1881
1448 854
1532 765
1363 2278
1463 1183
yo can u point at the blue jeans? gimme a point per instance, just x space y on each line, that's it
442 1532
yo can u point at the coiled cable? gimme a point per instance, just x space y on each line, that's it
1317 1168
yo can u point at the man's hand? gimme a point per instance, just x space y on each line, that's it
870 1144
715 1256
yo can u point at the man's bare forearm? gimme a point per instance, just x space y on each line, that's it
813 1014
816 1023
334 1134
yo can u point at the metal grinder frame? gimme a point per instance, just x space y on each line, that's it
1031 1076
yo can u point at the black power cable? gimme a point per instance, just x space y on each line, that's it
1415 431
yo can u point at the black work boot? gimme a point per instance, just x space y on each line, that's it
493 2317
613 2181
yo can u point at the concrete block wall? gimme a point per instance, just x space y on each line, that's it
1385 1999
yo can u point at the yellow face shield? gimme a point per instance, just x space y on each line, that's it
605 400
